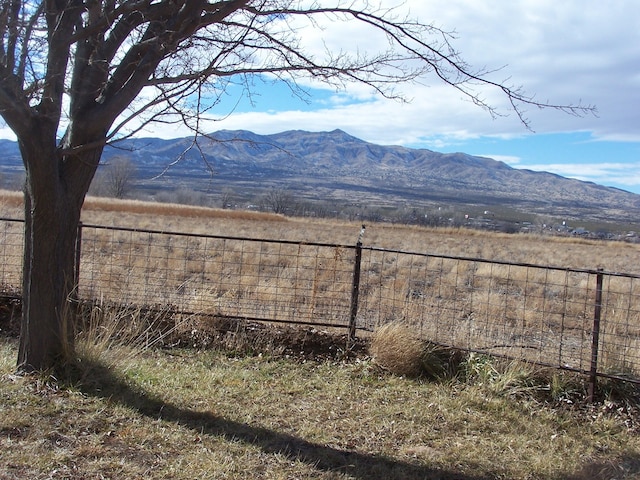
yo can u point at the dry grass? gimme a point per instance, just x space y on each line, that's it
104 329
537 314
568 252
135 207
183 414
396 348
247 410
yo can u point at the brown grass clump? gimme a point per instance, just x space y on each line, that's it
397 349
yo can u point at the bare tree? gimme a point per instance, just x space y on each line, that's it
226 199
278 200
118 176
78 74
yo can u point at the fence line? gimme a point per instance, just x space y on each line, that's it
582 320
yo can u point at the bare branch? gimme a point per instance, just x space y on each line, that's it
103 54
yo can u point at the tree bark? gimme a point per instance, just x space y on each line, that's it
46 336
53 203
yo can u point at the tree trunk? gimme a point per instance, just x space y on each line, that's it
46 336
54 192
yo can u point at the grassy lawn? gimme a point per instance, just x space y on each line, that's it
184 414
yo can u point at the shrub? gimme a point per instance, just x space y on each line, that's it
397 349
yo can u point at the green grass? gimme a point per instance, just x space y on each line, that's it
185 414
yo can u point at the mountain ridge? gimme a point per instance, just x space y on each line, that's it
336 166
339 166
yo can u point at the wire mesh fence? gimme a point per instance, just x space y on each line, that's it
576 319
11 242
280 281
559 317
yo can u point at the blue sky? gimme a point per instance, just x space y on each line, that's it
580 153
568 52
574 51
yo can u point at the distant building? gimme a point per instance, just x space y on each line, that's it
580 231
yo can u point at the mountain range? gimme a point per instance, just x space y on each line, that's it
335 166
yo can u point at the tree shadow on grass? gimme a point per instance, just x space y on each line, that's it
105 384
624 466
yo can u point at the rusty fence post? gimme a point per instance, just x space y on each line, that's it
595 339
355 287
76 269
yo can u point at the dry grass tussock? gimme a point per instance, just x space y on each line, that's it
397 349
105 328
112 334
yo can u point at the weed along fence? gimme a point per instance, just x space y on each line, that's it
577 319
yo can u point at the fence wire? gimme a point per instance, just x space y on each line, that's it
559 317
280 281
537 313
11 244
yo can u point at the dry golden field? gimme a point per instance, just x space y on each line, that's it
567 252
432 279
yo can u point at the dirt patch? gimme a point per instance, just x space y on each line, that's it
246 337
236 336
10 313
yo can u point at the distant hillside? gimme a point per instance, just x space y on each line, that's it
338 167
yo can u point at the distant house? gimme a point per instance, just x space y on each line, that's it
580 231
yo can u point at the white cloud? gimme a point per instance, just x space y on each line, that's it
570 52
607 173
563 52
511 160
7 134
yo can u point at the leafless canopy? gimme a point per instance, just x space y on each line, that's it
96 65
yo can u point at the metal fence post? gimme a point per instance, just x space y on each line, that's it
355 290
76 269
595 340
